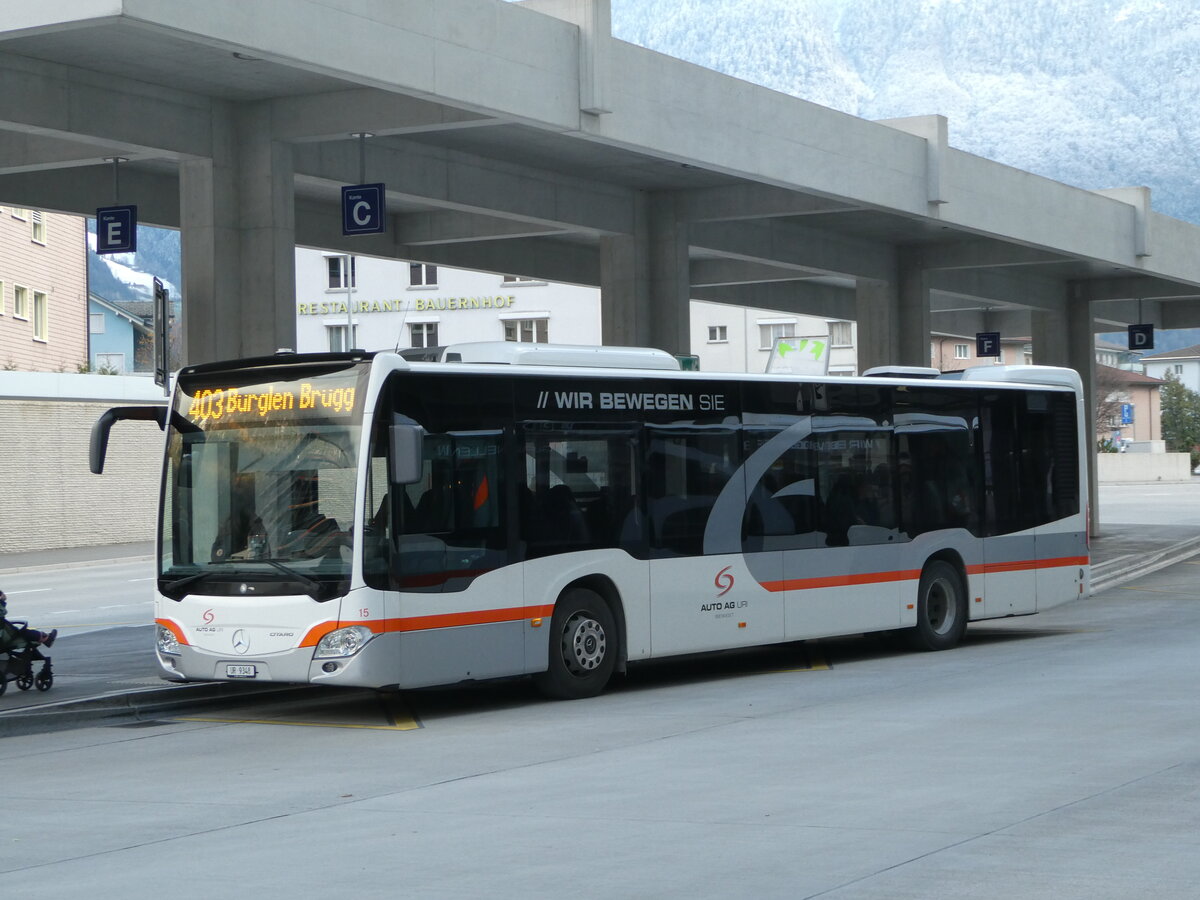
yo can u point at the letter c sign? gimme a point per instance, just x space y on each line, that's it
363 209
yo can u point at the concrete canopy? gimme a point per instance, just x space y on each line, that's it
522 138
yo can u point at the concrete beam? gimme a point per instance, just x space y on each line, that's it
319 225
475 184
453 227
787 244
999 286
982 254
70 103
800 297
1133 287
81 190
753 201
26 152
712 272
338 114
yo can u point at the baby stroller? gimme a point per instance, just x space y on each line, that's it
17 665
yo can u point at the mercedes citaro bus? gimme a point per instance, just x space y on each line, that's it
362 519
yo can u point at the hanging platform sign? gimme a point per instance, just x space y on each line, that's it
987 343
1141 337
116 229
363 209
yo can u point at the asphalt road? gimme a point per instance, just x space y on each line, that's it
1056 756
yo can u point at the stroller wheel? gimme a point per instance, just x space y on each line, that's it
43 681
25 682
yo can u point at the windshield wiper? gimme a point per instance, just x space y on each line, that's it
177 588
174 589
312 587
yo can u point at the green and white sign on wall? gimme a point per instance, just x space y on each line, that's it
800 356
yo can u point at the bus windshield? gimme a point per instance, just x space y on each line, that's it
259 486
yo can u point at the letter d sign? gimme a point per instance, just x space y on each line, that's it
1141 337
363 209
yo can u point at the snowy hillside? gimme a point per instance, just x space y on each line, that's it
1094 93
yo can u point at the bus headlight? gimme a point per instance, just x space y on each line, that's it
343 642
168 644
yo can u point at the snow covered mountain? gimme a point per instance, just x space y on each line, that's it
1094 93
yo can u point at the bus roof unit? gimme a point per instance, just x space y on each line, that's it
522 354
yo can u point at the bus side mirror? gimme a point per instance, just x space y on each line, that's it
104 424
406 466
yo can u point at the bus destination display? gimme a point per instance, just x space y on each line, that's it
263 403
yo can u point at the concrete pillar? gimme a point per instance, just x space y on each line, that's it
645 281
625 286
893 317
913 321
877 309
1051 338
670 276
1081 356
237 224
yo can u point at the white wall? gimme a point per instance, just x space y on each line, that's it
465 306
51 498
1189 378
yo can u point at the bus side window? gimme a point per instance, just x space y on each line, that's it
686 470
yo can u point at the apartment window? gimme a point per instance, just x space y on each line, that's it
768 332
962 351
840 334
110 362
19 213
337 272
337 338
20 301
520 279
527 331
1178 369
41 317
718 334
423 334
95 323
422 275
37 227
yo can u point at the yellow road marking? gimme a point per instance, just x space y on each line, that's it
396 714
816 663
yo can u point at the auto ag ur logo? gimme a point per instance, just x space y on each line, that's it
724 580
208 617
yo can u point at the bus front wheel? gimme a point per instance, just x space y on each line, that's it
941 608
583 646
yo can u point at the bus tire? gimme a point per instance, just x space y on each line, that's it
583 646
941 608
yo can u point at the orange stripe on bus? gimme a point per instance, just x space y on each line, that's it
797 584
1026 565
427 623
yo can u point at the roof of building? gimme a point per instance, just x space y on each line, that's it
1126 376
1191 352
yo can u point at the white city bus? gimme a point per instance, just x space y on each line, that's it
359 519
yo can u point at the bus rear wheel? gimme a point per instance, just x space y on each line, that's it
583 647
941 608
